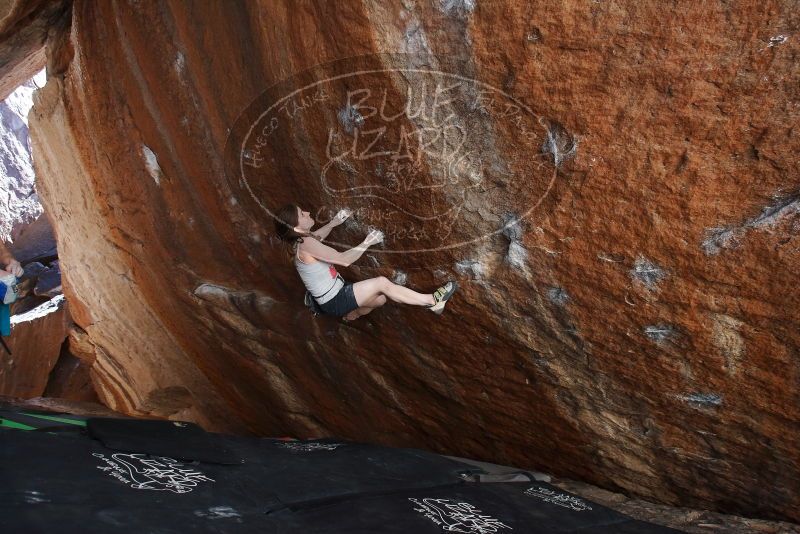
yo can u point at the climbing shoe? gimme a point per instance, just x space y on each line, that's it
441 296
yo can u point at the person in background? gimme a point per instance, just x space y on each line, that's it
8 276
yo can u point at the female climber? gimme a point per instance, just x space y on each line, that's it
315 263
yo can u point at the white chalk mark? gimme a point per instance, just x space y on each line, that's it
778 39
151 164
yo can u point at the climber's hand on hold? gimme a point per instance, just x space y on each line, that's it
342 216
373 237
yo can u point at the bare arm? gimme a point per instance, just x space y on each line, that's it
325 253
325 230
338 219
8 261
5 254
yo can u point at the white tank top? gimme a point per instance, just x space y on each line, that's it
320 278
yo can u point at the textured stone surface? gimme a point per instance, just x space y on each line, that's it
683 519
24 27
35 342
51 357
87 409
48 283
37 285
35 242
19 204
71 379
638 330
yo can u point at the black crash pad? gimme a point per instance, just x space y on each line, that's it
46 518
178 440
532 508
70 482
50 467
75 470
332 468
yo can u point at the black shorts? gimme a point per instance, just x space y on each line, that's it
343 303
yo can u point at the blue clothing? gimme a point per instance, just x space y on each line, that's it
343 303
5 320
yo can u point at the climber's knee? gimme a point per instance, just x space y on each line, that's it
384 283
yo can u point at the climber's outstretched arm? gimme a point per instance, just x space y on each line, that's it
325 253
322 252
338 219
323 231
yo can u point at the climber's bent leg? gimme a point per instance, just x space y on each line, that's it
376 302
366 290
358 312
369 306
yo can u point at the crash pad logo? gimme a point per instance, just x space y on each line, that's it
308 447
413 145
142 471
561 499
455 516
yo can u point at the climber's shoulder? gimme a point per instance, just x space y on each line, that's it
306 249
320 251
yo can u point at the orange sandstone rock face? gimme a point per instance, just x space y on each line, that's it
625 234
24 28
36 340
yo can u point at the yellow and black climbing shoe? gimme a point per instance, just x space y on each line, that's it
441 296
